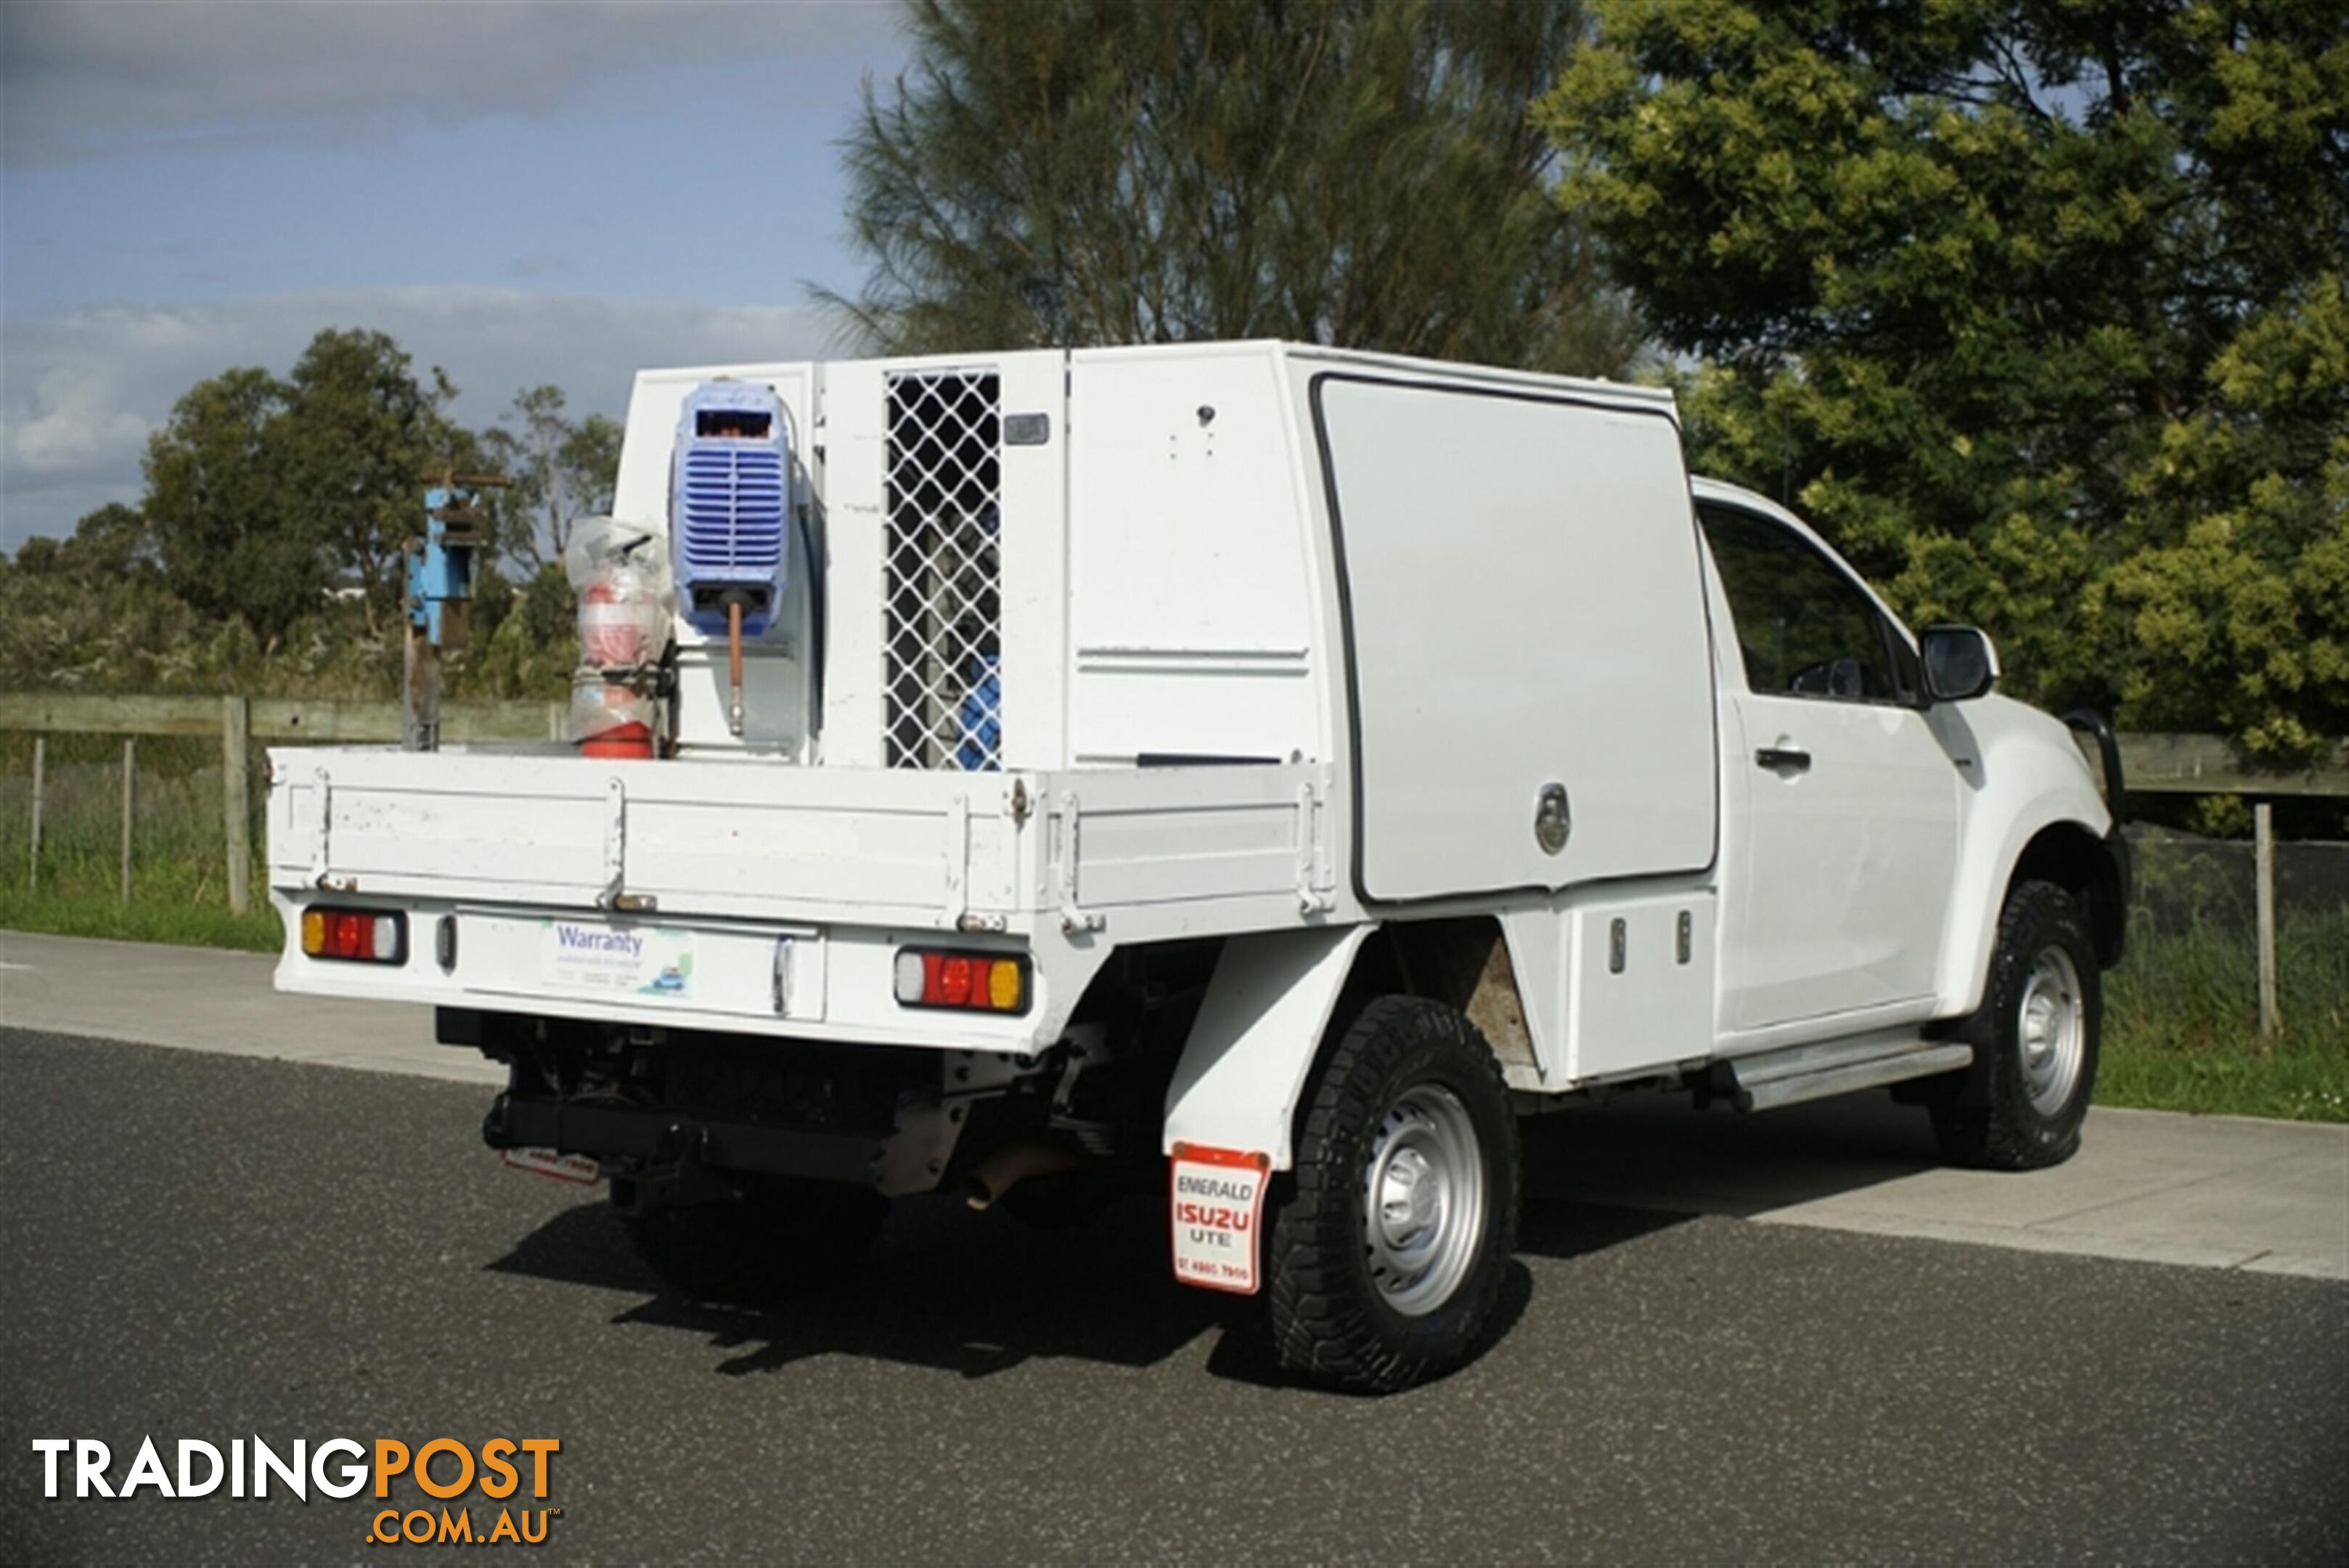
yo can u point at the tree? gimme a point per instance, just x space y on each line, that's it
359 436
90 609
1354 172
562 470
230 543
2035 307
265 494
110 545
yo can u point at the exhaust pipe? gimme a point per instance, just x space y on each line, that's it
1013 1163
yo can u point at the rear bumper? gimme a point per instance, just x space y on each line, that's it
826 985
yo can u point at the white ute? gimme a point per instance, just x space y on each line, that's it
1248 772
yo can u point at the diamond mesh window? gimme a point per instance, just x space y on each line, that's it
943 583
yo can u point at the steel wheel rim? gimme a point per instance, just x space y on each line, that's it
1423 1200
2051 1029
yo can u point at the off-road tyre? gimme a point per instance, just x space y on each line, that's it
2000 1125
777 1239
1330 1321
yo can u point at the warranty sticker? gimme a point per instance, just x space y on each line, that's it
1218 1209
616 961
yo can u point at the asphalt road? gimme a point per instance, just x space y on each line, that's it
212 1247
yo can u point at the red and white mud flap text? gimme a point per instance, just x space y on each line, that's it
575 1167
1218 1212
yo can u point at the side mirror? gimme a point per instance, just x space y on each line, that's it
1960 663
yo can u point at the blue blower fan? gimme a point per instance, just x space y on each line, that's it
729 506
730 516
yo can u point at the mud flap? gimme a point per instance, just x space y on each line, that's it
1218 1215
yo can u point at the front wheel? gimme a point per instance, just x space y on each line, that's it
1385 1261
2034 1037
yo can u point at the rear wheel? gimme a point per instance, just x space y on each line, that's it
776 1238
1386 1262
2034 1037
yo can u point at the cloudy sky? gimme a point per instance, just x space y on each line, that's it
520 191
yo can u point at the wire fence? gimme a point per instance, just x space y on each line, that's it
2183 880
176 828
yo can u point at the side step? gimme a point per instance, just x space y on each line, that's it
1797 1073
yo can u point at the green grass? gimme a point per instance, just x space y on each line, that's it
2181 1023
179 868
181 925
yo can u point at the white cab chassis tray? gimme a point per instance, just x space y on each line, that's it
720 860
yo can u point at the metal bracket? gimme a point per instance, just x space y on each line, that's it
616 843
1310 899
322 791
957 858
921 1145
1064 873
785 963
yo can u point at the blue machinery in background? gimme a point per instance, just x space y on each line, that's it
440 598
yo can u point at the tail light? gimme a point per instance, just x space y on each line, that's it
969 983
361 936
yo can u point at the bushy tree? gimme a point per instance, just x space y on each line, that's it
2036 307
263 493
91 610
359 434
112 543
1353 172
229 539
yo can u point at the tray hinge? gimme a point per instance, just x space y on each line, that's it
1311 899
616 843
322 788
957 859
1072 919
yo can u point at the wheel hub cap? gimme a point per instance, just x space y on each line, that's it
1423 1200
2051 1028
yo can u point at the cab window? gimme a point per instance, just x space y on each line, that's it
1803 628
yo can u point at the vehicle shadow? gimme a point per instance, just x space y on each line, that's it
1656 1152
973 1295
978 1294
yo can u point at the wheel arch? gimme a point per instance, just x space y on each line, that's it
1268 1009
2090 867
2050 847
1277 1000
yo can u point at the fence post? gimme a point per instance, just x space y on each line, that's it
2263 857
129 785
40 757
236 719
